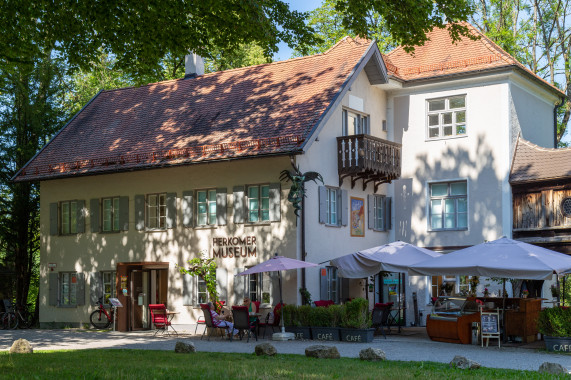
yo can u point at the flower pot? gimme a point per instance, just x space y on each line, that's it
357 335
557 344
325 333
301 332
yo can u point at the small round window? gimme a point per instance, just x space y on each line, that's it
566 207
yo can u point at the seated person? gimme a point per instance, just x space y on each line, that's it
251 309
219 321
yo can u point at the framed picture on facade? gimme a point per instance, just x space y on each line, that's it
357 217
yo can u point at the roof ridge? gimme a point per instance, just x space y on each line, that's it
541 148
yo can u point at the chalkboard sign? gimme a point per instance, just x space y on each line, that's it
489 323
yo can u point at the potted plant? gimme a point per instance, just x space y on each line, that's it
525 293
296 320
555 325
323 323
356 322
554 293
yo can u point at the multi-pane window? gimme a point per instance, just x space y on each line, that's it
332 206
206 207
253 282
109 288
156 211
68 217
202 291
332 285
68 288
110 214
259 203
446 117
259 285
355 123
448 206
379 212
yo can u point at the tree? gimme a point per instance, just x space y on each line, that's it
245 55
205 269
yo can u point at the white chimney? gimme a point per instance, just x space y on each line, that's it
193 65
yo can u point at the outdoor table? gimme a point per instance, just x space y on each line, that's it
394 316
170 316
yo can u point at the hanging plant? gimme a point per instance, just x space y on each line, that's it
205 269
297 189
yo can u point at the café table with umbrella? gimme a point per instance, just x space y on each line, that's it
278 264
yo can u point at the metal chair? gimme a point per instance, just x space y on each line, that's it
242 322
211 325
200 321
160 319
380 317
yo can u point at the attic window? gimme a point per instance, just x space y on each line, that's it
566 207
446 117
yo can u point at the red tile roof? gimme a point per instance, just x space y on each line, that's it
533 163
440 56
251 111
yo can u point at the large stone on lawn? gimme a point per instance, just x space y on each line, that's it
21 346
184 348
463 363
322 352
265 349
553 368
372 354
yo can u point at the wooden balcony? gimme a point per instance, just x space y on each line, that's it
371 159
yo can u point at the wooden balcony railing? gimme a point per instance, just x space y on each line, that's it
368 158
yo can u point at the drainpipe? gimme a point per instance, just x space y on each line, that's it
557 106
303 240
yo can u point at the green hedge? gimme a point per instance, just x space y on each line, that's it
354 314
555 321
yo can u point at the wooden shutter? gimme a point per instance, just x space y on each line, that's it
139 212
344 207
171 210
275 202
323 284
188 290
388 225
371 211
54 219
239 286
53 289
222 283
80 217
95 287
239 204
80 290
322 204
221 206
188 208
94 213
124 213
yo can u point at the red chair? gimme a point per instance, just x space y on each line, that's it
242 322
323 303
257 303
160 320
212 325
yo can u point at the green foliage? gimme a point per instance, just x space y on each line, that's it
305 296
320 317
289 313
555 322
244 55
304 315
357 314
205 269
336 312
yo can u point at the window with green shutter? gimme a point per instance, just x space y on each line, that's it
258 203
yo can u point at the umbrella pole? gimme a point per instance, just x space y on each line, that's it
283 335
504 309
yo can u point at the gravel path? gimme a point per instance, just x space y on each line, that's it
412 347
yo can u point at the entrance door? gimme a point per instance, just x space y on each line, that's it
139 300
393 290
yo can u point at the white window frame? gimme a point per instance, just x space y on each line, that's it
363 120
455 125
67 288
209 217
112 217
258 205
443 199
160 210
379 208
200 282
332 284
262 284
108 278
68 220
333 208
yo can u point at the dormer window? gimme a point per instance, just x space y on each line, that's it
355 123
446 117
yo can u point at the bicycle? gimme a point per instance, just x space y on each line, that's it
24 317
101 318
8 319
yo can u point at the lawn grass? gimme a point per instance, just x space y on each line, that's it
147 364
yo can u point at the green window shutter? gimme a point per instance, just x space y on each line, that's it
323 284
222 283
239 204
95 287
54 219
80 217
171 210
187 208
94 215
139 212
239 286
124 213
322 204
53 289
80 290
371 211
388 225
275 202
188 290
221 206
344 203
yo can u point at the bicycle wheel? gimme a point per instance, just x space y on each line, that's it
26 319
9 321
99 320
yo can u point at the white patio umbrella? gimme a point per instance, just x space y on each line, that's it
277 264
503 257
392 257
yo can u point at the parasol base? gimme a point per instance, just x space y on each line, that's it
283 336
